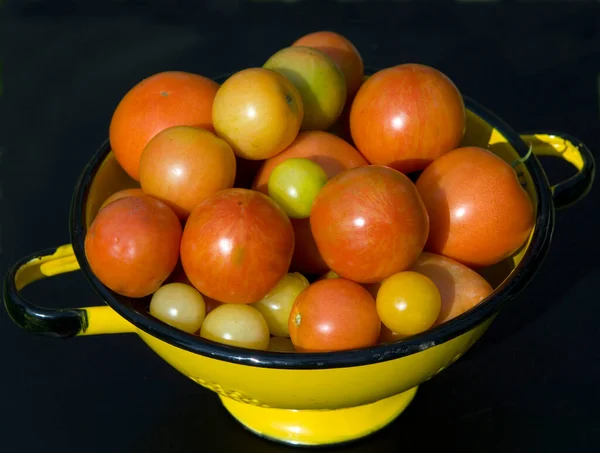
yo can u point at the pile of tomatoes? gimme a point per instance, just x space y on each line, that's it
303 206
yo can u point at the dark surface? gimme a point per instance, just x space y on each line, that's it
531 384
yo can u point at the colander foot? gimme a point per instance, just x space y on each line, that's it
318 427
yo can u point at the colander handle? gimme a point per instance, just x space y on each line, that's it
557 144
55 322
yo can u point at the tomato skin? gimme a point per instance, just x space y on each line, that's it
165 99
258 112
132 245
182 165
406 116
295 183
460 287
180 305
342 51
369 223
334 315
277 304
236 245
408 303
334 155
236 325
135 191
478 210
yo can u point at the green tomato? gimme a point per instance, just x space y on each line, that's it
294 184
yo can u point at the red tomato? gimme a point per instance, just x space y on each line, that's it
478 210
236 245
182 165
406 116
133 245
171 98
460 288
369 223
333 315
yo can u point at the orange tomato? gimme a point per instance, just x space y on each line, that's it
236 245
333 315
340 50
460 287
166 99
369 223
258 112
132 245
406 116
132 192
334 155
183 165
478 210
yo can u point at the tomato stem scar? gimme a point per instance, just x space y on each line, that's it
298 319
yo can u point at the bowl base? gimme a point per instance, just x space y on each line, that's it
318 427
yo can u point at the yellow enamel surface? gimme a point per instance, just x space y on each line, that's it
61 261
555 146
306 427
316 388
104 320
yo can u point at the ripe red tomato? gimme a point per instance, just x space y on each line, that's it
478 210
369 223
182 165
333 315
170 98
133 245
236 245
406 116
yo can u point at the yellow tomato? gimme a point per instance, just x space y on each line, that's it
236 325
258 112
408 303
179 305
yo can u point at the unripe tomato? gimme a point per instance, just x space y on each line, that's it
294 184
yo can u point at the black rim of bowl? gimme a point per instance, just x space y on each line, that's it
137 314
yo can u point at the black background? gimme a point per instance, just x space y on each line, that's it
531 384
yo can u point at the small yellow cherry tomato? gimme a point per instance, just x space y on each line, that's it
277 304
179 305
236 325
408 303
